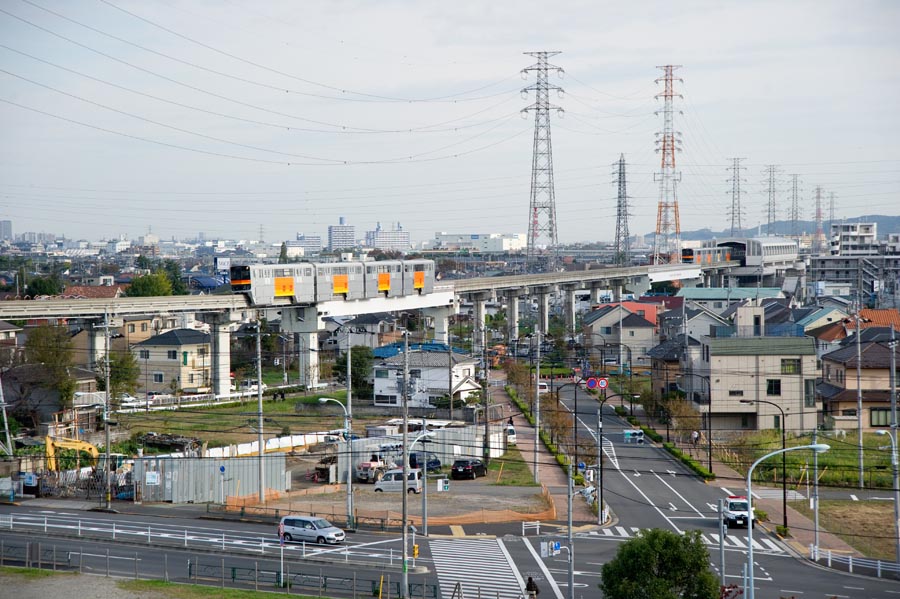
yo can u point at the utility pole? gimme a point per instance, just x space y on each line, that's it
830 208
736 211
486 450
542 208
404 580
106 469
450 370
8 447
537 405
623 249
859 398
795 206
771 174
259 410
667 241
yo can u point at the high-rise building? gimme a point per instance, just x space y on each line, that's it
6 230
311 244
341 236
380 239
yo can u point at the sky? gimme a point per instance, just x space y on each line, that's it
258 120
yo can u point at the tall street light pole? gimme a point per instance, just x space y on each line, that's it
896 472
404 592
424 466
783 455
106 474
601 520
818 448
537 406
349 439
259 401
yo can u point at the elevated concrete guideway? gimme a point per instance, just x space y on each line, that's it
222 311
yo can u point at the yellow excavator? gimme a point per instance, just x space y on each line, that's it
54 445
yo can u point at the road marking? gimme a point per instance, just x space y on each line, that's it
510 560
636 473
791 592
672 472
856 588
680 496
457 531
650 502
672 507
727 492
544 569
479 566
622 531
854 497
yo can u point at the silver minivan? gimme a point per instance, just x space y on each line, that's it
310 529
393 481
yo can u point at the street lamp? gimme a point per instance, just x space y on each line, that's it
600 518
349 439
896 471
424 466
818 448
783 456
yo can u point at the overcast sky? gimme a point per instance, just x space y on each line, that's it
224 117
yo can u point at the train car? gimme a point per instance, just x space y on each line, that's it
340 280
687 255
265 283
384 278
418 277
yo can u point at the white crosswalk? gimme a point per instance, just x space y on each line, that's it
482 567
732 541
792 495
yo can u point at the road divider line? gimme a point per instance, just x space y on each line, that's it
680 496
537 558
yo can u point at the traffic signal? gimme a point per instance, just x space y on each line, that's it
415 551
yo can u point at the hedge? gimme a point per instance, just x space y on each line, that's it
690 462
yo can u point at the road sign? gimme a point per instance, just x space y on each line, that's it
222 469
443 484
581 465
603 383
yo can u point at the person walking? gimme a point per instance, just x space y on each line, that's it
531 588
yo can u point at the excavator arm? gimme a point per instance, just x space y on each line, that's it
54 445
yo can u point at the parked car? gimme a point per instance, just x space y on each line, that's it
468 468
309 529
393 481
416 458
510 435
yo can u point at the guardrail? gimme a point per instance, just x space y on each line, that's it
205 571
199 539
858 565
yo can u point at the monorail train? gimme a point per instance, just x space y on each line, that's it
706 255
309 283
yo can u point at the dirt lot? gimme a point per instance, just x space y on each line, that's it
865 525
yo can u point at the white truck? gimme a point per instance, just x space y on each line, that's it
736 511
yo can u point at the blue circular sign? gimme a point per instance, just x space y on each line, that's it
581 465
222 469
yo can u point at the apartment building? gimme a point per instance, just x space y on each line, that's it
179 359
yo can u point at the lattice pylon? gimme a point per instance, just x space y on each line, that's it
667 240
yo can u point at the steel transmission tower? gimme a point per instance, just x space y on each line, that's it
795 207
830 208
771 178
667 241
542 207
736 211
820 232
623 247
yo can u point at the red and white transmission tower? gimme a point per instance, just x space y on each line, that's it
667 242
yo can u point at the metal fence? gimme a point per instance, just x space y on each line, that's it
211 571
858 565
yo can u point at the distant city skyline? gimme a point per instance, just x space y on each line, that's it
123 117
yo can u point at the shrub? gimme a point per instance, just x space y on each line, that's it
690 462
652 434
783 531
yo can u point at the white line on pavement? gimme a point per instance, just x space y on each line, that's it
679 494
512 565
537 558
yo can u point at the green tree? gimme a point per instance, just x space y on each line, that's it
361 359
124 373
660 564
282 256
151 285
172 270
52 347
143 262
52 285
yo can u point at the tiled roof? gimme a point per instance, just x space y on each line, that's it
671 349
94 291
5 326
178 337
427 359
876 318
634 321
762 346
728 293
874 355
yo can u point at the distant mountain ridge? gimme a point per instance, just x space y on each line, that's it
886 224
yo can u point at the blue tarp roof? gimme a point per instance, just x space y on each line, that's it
391 350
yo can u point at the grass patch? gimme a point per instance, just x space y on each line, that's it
234 423
515 471
867 526
185 591
30 573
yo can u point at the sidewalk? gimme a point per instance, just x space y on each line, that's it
550 474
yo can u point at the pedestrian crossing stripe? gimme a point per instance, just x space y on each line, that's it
731 541
481 567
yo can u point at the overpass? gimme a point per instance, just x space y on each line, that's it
222 311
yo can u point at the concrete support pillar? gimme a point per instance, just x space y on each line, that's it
597 289
220 348
96 342
543 293
618 286
306 323
441 318
569 303
512 313
479 343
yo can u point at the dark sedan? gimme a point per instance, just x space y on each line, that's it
468 469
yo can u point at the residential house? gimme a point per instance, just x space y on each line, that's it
666 360
838 388
745 377
700 322
718 299
30 399
429 377
614 329
9 348
179 359
831 336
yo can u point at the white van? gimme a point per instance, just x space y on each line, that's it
393 481
309 529
543 387
510 435
252 386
